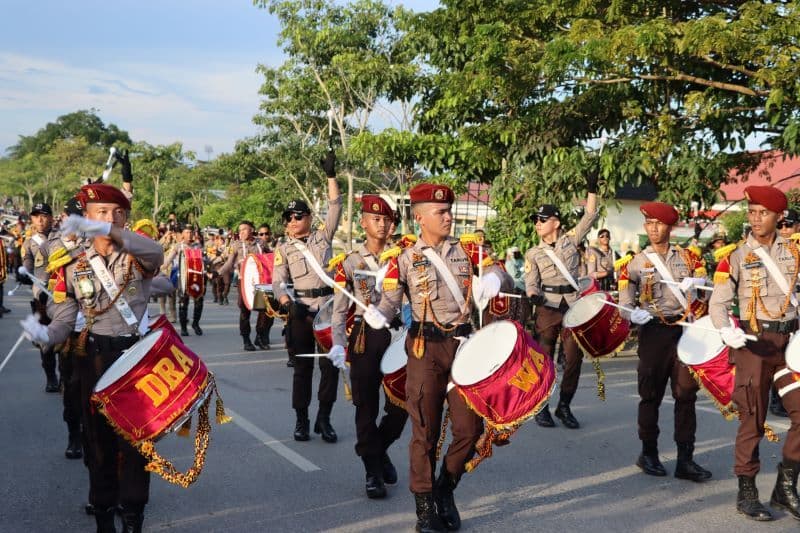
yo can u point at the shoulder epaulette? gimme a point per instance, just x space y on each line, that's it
394 251
409 239
724 252
695 250
336 259
60 257
622 261
146 226
794 237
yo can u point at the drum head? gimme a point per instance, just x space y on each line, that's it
793 353
698 346
395 357
484 352
250 277
322 320
128 360
584 309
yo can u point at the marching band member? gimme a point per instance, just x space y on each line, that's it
310 293
762 272
119 263
366 347
34 259
551 270
435 274
185 241
600 260
246 245
658 339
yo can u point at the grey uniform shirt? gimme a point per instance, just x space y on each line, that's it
540 271
147 252
416 273
34 258
745 273
359 285
290 265
599 261
239 252
641 270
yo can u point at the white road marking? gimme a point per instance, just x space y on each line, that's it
277 446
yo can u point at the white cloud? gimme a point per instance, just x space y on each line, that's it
198 104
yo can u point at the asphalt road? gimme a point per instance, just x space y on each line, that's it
258 479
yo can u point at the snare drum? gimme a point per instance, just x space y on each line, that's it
323 332
508 308
588 285
706 356
154 388
598 328
256 270
393 367
161 321
191 272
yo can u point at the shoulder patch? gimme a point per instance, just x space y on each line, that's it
277 258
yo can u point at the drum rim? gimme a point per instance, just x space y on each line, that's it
686 357
248 289
115 372
793 353
317 319
457 364
573 308
385 361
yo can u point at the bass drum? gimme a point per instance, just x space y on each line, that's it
191 272
393 368
255 274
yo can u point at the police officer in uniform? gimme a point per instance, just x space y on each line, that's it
762 272
310 293
600 261
662 307
34 259
127 261
552 293
185 241
366 347
439 317
239 251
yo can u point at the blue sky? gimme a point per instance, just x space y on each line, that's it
164 70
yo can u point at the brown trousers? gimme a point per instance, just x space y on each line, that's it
547 328
658 362
756 364
426 390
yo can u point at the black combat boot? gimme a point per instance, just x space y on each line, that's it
544 419
265 341
445 502
248 346
686 468
132 521
196 328
648 460
301 425
374 487
52 384
259 342
784 495
389 471
427 519
776 404
747 500
105 520
74 447
323 423
564 413
184 330
290 361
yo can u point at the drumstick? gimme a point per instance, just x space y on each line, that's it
715 330
36 281
312 261
612 304
701 287
311 355
509 295
11 352
12 291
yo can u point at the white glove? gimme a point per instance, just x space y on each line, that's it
640 316
336 355
485 288
687 283
78 225
375 318
33 330
733 337
379 275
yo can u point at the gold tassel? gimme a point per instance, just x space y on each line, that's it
442 433
360 346
80 344
348 394
185 428
221 417
770 433
601 379
419 346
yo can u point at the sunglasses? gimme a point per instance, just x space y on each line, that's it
296 216
783 224
542 218
604 236
262 234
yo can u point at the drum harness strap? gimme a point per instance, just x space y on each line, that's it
777 276
562 268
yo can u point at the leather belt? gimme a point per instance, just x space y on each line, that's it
313 293
773 326
431 331
558 289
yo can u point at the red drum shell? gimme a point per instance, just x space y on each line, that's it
323 332
598 328
151 386
588 285
393 367
192 272
512 390
161 321
256 269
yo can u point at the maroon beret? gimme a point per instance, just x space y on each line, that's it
768 196
104 194
431 192
372 203
660 211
